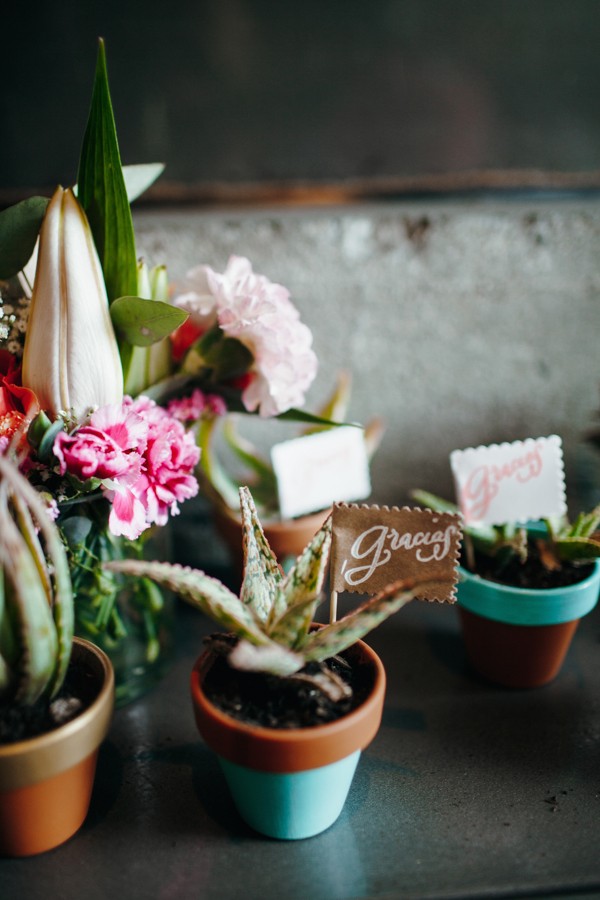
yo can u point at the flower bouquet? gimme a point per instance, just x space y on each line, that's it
102 377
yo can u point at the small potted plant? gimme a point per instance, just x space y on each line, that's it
286 704
56 692
522 591
287 537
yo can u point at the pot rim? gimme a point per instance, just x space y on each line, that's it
46 755
527 606
290 749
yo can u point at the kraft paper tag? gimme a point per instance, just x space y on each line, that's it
375 546
315 470
510 483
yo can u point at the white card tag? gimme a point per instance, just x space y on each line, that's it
315 470
512 483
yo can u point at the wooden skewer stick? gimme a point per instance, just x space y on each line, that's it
333 606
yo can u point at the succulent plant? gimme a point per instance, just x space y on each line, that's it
272 616
577 543
36 600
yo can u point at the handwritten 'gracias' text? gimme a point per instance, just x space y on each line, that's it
483 483
376 545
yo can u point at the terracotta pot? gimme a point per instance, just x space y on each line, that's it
46 781
290 783
518 637
286 538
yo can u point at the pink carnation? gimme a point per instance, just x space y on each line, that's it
170 458
109 448
143 457
190 409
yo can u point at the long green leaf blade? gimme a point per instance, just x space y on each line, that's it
102 191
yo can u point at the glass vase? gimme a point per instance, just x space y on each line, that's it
131 619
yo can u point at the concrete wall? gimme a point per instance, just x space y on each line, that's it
462 324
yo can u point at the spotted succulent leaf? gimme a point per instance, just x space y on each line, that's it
273 658
200 590
262 573
338 636
298 597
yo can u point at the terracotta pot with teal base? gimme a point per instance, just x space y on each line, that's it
290 783
519 637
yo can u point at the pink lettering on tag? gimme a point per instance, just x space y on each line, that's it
482 484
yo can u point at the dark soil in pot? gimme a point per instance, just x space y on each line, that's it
272 702
532 574
79 690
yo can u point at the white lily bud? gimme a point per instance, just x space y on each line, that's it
71 357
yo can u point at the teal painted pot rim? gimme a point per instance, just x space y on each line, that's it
527 606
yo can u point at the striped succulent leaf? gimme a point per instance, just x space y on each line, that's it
273 658
31 617
200 590
262 574
36 612
298 597
338 636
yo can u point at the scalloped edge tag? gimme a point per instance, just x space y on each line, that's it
510 483
374 546
315 470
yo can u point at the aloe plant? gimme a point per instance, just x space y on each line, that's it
272 617
577 543
36 600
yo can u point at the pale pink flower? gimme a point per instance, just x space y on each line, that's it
197 298
260 314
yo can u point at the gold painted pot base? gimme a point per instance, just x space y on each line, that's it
46 782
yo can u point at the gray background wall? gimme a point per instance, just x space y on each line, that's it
461 323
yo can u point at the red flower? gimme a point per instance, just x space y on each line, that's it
18 404
183 338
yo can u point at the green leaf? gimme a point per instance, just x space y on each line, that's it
144 322
19 229
102 191
578 550
76 529
299 594
262 575
336 405
227 358
338 636
299 415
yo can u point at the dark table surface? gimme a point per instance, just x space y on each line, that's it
468 790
